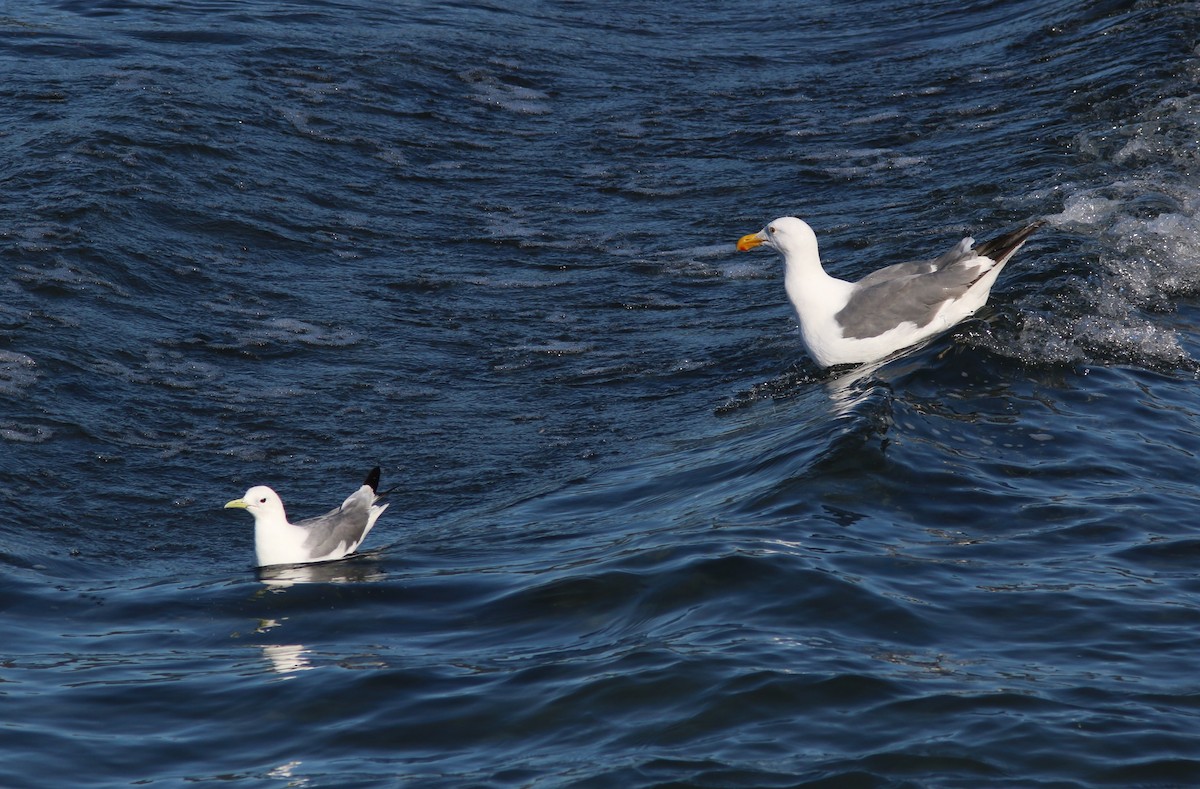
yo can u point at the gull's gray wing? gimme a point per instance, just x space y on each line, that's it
914 292
959 253
345 525
914 298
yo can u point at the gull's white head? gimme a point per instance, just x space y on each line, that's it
262 502
786 235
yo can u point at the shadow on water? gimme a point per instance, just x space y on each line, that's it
362 568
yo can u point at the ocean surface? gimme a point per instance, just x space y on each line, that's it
637 539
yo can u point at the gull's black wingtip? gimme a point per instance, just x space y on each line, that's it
372 480
1003 246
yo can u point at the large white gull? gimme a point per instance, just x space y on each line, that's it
890 309
334 535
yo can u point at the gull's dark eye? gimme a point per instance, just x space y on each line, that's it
771 229
262 501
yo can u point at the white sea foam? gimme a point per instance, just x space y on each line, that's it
1085 209
1139 242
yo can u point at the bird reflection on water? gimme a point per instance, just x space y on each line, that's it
289 658
361 569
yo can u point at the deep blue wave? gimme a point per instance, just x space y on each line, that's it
637 539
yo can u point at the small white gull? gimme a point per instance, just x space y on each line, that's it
890 309
334 535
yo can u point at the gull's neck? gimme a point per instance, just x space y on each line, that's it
810 289
276 541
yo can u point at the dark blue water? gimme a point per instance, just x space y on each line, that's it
638 539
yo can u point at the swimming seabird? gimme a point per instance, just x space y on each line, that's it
893 308
334 535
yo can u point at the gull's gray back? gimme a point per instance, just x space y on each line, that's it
342 525
907 293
